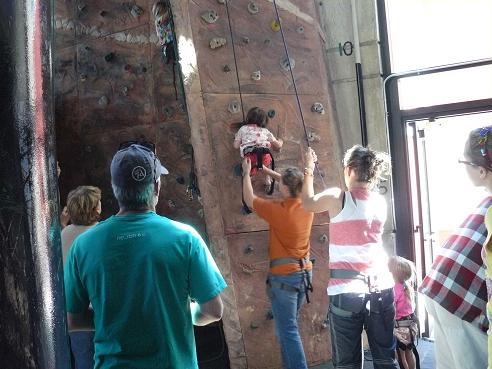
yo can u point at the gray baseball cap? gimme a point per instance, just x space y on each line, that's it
134 165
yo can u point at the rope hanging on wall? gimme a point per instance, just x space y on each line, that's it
289 64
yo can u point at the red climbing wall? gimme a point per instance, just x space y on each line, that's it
112 85
225 79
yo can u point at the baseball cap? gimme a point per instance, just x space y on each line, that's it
134 165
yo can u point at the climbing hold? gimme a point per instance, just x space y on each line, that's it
233 107
217 42
323 238
81 7
103 101
136 11
269 314
267 41
318 108
124 91
275 25
109 57
144 69
382 190
169 111
83 77
287 64
256 76
210 16
226 68
103 13
248 250
271 113
253 7
128 68
254 325
180 180
171 204
313 137
300 29
246 40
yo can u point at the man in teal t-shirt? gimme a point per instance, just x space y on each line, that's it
148 278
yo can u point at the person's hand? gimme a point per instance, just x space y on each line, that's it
64 217
246 166
310 158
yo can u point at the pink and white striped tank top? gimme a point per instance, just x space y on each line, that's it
356 243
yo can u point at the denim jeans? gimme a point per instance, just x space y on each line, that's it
82 347
346 329
287 294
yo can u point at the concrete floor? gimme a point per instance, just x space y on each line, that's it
424 347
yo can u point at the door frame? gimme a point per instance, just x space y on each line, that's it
396 123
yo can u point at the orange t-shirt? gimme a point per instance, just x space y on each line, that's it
290 228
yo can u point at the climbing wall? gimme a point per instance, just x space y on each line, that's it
112 85
241 63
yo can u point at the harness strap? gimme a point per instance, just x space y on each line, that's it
403 323
282 286
347 274
282 261
340 312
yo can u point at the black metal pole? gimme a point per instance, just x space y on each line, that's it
362 104
32 315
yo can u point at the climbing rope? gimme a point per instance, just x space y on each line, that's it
235 60
295 86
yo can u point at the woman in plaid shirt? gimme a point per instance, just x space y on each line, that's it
454 289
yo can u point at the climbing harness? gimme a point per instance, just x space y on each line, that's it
258 153
303 263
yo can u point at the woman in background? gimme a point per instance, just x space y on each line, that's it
84 210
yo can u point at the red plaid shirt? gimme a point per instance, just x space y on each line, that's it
456 280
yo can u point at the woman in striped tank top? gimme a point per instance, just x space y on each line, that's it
360 288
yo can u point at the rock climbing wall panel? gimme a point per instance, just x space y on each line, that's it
112 84
247 68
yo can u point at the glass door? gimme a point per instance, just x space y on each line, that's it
441 193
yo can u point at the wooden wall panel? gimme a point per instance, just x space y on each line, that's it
249 264
99 18
287 125
211 63
112 85
258 47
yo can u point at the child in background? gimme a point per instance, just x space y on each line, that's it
406 328
84 210
254 135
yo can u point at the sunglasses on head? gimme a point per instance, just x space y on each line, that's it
147 144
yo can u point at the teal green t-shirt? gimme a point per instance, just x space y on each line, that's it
139 272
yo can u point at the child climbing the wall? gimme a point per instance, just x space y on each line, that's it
254 141
406 328
163 27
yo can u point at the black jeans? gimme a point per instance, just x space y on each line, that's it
346 328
